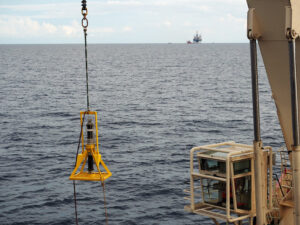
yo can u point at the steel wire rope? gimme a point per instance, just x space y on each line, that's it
104 201
84 23
74 184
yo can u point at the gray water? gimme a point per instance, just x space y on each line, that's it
154 103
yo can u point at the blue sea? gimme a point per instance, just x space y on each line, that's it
154 102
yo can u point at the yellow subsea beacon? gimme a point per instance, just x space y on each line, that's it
90 151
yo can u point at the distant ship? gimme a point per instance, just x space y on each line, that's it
196 40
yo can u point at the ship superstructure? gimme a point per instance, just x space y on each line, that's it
197 38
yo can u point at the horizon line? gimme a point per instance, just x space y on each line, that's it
78 43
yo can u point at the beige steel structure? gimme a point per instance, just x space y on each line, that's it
228 154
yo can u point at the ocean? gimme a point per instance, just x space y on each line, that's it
154 102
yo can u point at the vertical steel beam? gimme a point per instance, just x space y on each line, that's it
296 177
257 144
293 87
295 124
255 94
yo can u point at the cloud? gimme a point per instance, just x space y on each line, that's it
167 23
23 26
65 10
50 28
101 30
232 18
73 30
54 21
127 29
187 24
229 19
125 3
46 11
26 27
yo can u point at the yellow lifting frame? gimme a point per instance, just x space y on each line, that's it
82 158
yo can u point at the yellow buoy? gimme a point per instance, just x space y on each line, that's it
90 151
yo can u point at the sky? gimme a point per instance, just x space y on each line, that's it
122 21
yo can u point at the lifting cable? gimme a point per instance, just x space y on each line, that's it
84 23
74 184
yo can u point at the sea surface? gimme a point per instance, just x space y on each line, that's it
154 102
